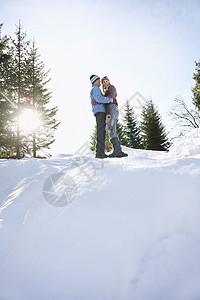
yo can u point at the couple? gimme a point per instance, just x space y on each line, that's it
105 109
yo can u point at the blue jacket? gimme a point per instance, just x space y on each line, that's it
97 96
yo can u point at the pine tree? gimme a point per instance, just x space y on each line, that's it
25 83
108 145
7 138
196 89
121 131
4 57
37 79
132 139
152 129
93 139
17 75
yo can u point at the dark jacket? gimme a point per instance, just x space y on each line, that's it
111 93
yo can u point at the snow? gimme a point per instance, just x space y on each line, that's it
187 145
121 228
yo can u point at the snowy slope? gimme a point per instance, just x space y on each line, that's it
113 229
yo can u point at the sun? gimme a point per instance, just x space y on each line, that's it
29 120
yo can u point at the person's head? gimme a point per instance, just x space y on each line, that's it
95 80
105 82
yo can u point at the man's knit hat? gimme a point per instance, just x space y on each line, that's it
104 78
93 78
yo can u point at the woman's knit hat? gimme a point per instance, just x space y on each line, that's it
93 78
105 78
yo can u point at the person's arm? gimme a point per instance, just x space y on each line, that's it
108 109
111 92
99 98
108 115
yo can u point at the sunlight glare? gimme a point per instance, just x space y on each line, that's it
29 120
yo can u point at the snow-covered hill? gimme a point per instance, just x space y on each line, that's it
78 228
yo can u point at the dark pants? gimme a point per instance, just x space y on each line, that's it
100 119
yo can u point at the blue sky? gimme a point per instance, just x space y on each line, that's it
145 46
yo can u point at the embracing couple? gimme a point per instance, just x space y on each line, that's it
105 109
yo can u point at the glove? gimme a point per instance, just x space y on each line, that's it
108 118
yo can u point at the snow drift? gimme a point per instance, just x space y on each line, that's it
73 227
187 145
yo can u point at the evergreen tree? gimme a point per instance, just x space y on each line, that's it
39 95
17 75
152 129
93 139
121 131
108 145
7 138
196 89
25 83
4 57
132 139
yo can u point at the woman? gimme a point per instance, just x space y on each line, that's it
112 114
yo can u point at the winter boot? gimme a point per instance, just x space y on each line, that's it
101 155
117 152
122 154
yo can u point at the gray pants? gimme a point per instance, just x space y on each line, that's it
111 128
100 120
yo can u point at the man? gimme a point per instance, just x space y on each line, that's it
98 102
